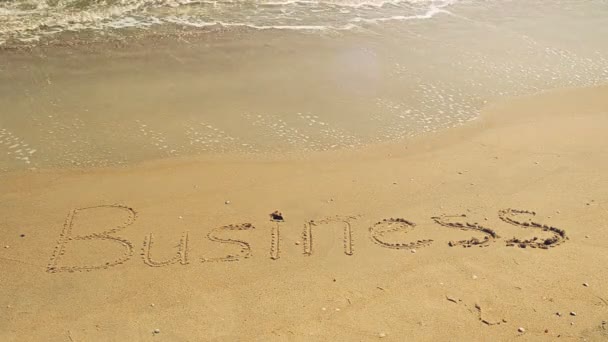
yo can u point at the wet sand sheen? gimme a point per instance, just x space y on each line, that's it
181 92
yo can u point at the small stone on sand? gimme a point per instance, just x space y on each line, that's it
323 309
227 202
521 330
157 331
297 243
277 216
152 305
337 309
572 313
474 276
179 217
413 251
585 284
6 246
382 335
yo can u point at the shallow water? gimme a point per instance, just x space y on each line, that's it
116 96
30 20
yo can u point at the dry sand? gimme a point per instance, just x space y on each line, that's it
546 153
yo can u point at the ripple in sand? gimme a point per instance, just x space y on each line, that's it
205 137
16 148
302 131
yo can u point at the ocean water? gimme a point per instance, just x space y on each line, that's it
30 20
278 78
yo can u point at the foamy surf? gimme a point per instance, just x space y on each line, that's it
29 20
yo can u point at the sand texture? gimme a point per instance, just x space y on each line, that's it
463 235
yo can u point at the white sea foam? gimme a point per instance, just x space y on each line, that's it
27 20
429 14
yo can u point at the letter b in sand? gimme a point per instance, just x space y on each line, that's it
66 238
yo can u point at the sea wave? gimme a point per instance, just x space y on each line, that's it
29 20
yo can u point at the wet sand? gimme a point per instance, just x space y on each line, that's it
86 100
151 246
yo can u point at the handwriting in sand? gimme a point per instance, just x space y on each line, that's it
378 234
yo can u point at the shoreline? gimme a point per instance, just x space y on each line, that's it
245 92
488 117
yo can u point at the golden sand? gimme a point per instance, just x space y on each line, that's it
184 249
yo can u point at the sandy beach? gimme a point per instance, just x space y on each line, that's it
309 277
440 169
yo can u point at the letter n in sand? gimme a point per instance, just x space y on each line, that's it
307 234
